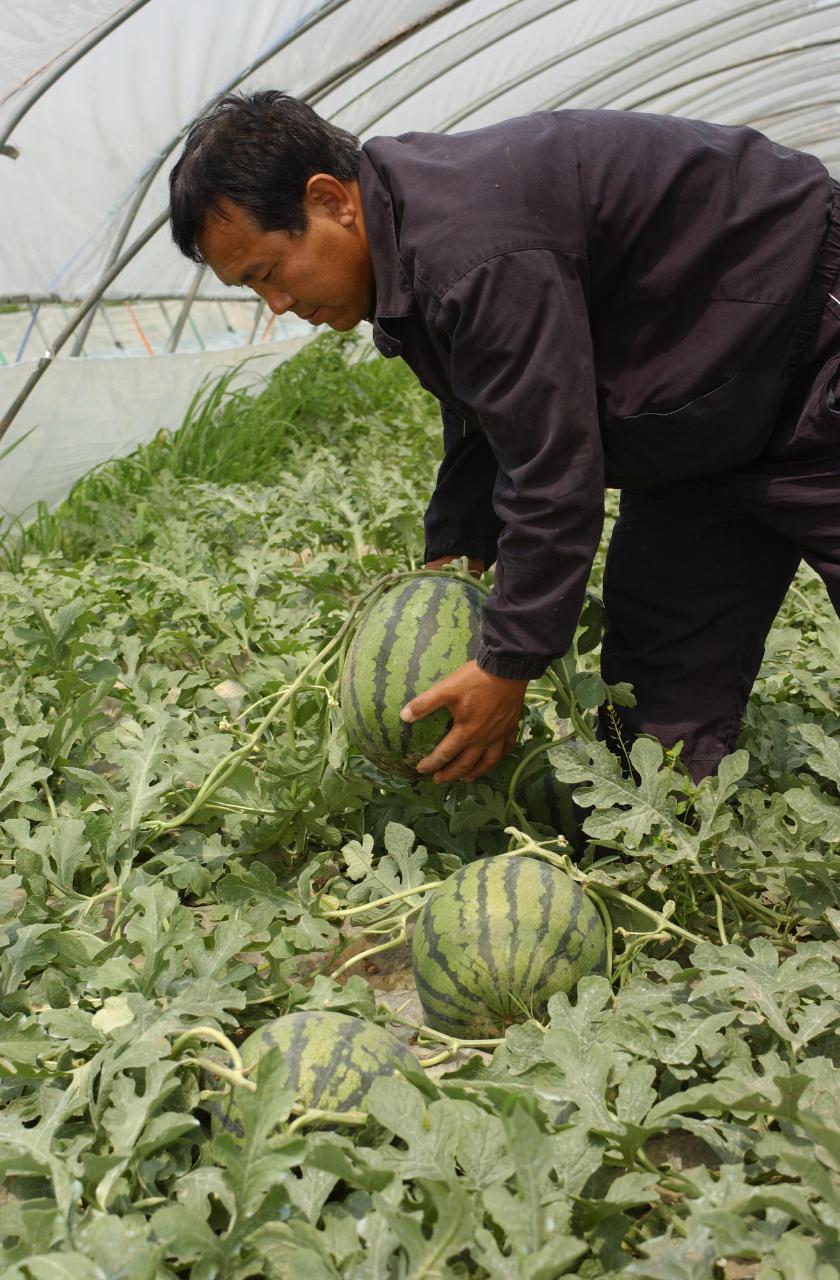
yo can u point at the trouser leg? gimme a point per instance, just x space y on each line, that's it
691 588
697 571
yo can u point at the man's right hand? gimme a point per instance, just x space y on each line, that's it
477 567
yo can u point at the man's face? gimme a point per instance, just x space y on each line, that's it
324 274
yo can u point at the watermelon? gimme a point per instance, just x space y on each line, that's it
411 637
548 801
497 939
332 1059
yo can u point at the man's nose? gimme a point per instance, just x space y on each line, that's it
278 301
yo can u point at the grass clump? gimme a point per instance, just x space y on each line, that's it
328 409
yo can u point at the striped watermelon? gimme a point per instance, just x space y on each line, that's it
548 801
497 939
411 637
332 1059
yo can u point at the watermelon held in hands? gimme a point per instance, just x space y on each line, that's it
497 940
409 639
332 1059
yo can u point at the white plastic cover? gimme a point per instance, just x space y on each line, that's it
375 68
106 132
86 411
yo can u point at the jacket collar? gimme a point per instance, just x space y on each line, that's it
394 296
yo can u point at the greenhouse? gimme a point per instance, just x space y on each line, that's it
420 858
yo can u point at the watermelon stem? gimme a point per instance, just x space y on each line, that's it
222 771
49 798
313 688
428 1033
234 1073
629 953
85 901
511 805
453 1045
662 920
210 1033
718 910
531 849
315 1116
601 908
217 1068
220 806
758 909
344 913
674 1179
424 1033
562 685
398 938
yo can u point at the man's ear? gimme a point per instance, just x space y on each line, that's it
326 194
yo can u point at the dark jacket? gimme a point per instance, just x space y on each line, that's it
595 297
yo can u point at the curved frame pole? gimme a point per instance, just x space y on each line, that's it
178 328
57 72
771 56
329 82
665 43
552 6
157 162
78 315
117 265
320 87
348 69
258 311
714 47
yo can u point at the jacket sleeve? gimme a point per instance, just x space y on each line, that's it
460 519
517 328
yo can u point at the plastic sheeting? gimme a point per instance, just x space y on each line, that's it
97 134
86 411
94 151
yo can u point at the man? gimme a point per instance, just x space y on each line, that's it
594 297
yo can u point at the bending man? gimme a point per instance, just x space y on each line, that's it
595 298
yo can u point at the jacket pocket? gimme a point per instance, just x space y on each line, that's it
700 401
712 432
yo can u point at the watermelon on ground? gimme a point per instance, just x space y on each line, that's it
409 639
332 1059
497 940
548 801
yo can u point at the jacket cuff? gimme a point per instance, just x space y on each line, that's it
521 667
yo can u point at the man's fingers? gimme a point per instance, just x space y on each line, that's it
447 764
485 710
461 766
424 704
485 763
447 750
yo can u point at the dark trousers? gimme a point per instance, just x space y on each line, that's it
696 571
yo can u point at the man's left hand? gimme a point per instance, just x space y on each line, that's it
486 710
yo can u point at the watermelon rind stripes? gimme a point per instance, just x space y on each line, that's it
497 940
410 638
547 800
332 1059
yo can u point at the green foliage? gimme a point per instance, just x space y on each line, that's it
189 850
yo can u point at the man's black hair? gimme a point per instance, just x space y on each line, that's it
258 150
